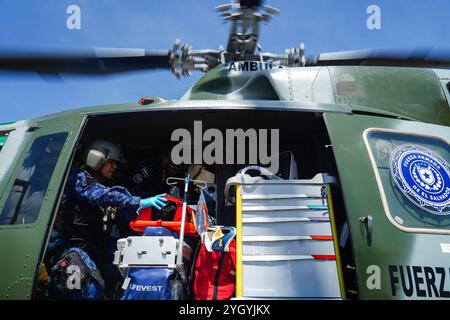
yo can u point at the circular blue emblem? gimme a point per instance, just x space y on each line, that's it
138 178
423 177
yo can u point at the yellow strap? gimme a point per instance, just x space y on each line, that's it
239 278
336 243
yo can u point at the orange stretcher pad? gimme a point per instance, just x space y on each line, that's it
145 219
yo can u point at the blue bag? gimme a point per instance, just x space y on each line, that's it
76 277
149 284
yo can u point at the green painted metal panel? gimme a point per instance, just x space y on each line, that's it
389 247
412 92
218 84
22 245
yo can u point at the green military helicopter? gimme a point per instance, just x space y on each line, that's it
364 213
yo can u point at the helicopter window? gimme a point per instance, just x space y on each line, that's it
3 137
448 91
414 178
27 194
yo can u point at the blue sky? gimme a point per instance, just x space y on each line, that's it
323 25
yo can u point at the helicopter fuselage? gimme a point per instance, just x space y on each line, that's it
347 122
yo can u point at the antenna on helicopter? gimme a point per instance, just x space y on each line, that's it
296 55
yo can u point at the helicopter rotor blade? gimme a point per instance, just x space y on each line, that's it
420 57
100 62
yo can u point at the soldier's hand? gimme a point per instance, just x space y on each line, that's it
157 202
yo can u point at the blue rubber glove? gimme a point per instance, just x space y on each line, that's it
157 202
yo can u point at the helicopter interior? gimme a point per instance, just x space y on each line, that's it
386 85
144 135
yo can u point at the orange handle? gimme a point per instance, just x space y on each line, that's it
139 226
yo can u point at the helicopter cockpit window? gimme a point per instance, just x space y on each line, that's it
27 194
3 137
448 92
414 179
2 141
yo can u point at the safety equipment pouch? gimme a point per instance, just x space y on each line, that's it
214 273
75 276
150 284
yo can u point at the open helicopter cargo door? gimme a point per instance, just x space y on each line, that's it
285 246
34 160
395 179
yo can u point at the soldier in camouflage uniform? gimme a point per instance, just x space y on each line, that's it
90 210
